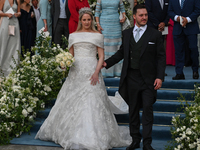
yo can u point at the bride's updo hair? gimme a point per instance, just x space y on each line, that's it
82 11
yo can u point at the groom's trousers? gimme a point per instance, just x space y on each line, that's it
139 96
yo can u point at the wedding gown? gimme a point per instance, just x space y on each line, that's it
81 117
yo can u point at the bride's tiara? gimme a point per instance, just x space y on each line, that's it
85 10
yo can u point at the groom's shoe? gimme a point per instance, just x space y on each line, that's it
148 147
133 145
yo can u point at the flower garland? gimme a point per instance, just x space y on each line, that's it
28 88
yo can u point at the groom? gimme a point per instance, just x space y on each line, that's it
142 74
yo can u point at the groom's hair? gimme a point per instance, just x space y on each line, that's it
138 6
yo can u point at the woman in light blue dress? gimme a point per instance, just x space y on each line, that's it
109 24
45 19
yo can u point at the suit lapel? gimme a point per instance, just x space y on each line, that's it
147 34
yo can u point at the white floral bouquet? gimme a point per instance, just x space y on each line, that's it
65 60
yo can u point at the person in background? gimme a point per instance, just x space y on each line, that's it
9 41
184 14
157 14
35 19
45 18
61 15
74 7
26 26
170 50
109 24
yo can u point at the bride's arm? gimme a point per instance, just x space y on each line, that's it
95 77
71 50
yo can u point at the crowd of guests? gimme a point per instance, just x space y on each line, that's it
60 17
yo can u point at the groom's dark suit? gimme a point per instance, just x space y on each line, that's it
137 85
58 24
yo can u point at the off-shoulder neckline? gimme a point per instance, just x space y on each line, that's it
87 32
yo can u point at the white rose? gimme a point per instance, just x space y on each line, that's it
62 64
69 56
16 104
30 109
68 63
65 58
36 99
24 112
47 88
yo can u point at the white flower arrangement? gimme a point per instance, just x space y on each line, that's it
186 128
29 88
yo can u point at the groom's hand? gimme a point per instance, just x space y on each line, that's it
103 65
157 84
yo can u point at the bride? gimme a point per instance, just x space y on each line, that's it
81 117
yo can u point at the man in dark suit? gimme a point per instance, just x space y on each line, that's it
61 15
157 13
184 13
142 74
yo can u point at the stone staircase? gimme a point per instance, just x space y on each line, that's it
165 107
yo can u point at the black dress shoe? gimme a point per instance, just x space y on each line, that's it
133 145
195 75
179 77
148 147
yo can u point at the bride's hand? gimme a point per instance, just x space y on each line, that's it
94 79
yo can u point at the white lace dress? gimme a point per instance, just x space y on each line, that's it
81 117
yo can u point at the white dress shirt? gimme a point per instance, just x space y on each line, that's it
37 13
143 29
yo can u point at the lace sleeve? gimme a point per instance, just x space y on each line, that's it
121 6
98 8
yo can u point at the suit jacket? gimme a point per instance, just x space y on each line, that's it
55 11
152 59
156 14
191 9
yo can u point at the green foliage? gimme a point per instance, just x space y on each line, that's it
31 85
